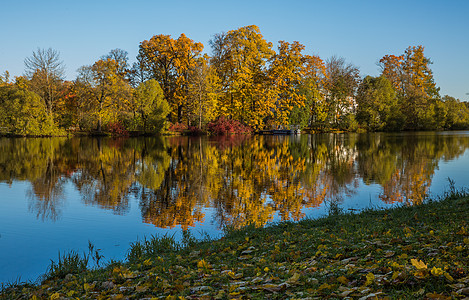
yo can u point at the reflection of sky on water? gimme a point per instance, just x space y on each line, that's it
28 242
456 170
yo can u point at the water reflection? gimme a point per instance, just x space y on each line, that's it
243 179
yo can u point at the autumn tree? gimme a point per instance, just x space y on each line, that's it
377 105
5 78
46 72
107 92
138 73
457 116
240 58
295 80
341 85
170 62
204 86
150 105
23 112
285 73
413 81
122 60
68 107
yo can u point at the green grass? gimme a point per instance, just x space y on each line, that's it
401 253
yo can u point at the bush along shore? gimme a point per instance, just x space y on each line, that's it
415 252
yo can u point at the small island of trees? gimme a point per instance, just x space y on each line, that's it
244 86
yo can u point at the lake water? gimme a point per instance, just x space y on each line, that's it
56 194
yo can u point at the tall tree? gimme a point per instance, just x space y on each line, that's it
457 113
377 102
22 112
108 93
295 80
122 60
342 82
286 72
204 86
412 78
240 57
169 61
151 106
46 72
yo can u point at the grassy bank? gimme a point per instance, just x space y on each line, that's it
406 252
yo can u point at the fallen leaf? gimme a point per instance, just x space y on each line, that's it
343 280
389 254
294 279
370 277
418 264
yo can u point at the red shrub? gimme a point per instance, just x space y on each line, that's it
116 128
177 127
223 126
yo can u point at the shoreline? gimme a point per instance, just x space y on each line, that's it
403 252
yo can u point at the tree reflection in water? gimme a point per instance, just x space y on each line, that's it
246 180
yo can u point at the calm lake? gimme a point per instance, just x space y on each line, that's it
56 194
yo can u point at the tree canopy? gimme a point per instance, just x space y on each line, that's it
244 80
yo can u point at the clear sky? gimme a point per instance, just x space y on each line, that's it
360 31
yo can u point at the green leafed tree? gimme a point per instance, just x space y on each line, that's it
378 107
457 113
418 94
150 106
23 112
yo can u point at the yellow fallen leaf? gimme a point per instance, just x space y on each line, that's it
342 279
130 275
420 265
202 264
448 276
437 271
370 277
86 287
294 279
435 296
403 256
55 296
421 274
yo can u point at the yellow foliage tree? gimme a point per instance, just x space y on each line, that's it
107 92
240 57
170 62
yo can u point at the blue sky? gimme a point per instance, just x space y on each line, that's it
360 31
